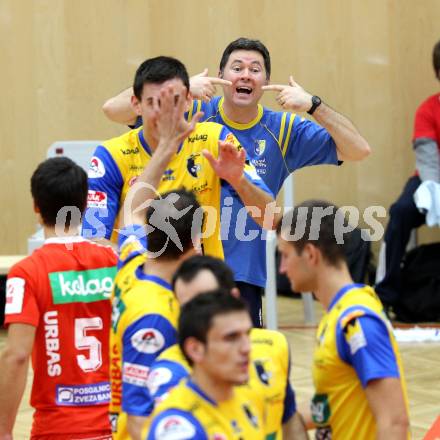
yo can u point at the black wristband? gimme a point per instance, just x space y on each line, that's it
316 102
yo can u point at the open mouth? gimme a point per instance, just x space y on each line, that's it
244 89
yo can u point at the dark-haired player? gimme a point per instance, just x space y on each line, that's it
359 385
58 311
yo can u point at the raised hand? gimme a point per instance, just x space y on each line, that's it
230 162
291 97
172 128
202 86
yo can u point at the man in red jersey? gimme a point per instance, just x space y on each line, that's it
58 310
404 214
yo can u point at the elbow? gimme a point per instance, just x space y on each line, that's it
396 423
365 150
356 153
108 110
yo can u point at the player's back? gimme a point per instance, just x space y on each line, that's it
63 289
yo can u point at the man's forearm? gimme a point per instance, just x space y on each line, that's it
144 189
256 201
12 384
294 428
350 144
119 109
427 159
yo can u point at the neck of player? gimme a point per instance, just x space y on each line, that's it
53 231
240 115
329 282
163 269
211 386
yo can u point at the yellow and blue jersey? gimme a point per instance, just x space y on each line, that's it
117 163
277 144
355 344
144 321
188 412
269 377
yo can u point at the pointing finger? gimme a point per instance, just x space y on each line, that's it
273 88
219 81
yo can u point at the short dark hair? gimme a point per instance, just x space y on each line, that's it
57 183
197 315
173 211
158 70
436 59
246 44
323 232
190 268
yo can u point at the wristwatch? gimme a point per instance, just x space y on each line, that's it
316 102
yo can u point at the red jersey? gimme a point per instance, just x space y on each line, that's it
427 120
63 289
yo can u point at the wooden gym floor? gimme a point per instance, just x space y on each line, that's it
421 363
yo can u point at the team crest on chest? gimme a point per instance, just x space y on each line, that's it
260 146
250 416
262 373
192 166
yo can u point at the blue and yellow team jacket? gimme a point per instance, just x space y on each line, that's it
188 412
144 324
269 377
277 144
118 162
355 344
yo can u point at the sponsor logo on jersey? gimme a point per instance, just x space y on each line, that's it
320 409
260 165
96 199
128 151
168 175
202 188
14 295
52 342
148 340
82 286
115 377
135 374
96 168
198 137
157 377
174 428
231 139
191 165
83 395
354 335
260 146
118 308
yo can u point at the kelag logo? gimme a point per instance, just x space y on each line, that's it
82 286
